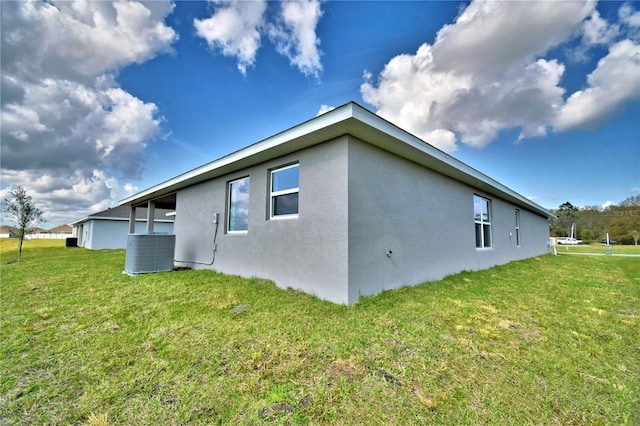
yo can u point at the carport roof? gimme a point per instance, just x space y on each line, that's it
349 119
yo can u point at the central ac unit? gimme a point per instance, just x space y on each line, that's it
153 252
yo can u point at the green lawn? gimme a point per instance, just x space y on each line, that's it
550 340
598 248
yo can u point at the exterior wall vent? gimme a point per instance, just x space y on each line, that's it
153 252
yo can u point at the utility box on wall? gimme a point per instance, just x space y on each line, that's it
152 252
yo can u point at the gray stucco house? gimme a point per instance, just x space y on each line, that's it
345 205
109 228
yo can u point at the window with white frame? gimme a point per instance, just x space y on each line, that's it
482 219
238 208
518 227
284 191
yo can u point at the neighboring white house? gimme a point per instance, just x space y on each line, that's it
109 228
345 205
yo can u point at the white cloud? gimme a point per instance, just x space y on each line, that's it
629 16
491 40
129 189
234 29
607 204
324 109
483 74
595 31
598 31
80 40
68 196
443 139
127 126
295 36
614 82
68 130
63 123
489 71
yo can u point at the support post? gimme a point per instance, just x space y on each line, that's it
151 215
132 220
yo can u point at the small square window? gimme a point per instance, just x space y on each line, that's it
284 191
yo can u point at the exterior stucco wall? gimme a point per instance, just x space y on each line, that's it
99 234
84 240
426 220
356 203
307 253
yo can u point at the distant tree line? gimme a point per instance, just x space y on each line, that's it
592 223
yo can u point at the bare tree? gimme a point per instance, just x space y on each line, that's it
22 210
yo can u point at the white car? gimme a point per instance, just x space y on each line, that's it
569 241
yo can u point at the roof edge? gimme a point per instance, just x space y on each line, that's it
327 119
319 127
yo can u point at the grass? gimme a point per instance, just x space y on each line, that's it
549 340
598 248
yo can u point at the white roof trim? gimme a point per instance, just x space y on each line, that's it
324 121
350 119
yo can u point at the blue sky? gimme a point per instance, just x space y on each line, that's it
102 100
